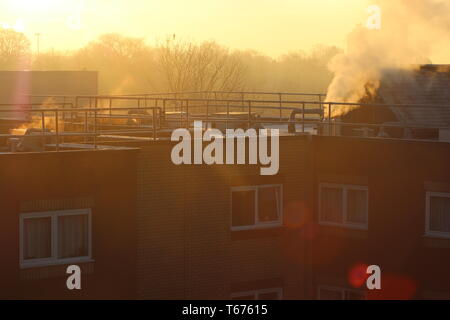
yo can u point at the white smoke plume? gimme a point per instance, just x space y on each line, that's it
411 31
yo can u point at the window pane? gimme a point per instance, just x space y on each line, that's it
440 214
73 236
354 295
357 206
243 208
330 294
331 205
37 238
269 204
268 296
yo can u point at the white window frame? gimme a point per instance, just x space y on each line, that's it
257 224
346 223
54 260
341 290
256 293
428 231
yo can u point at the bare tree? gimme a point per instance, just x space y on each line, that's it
14 50
128 65
122 62
115 46
187 66
52 60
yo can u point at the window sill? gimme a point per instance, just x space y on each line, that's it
31 265
260 226
255 233
343 231
345 225
436 241
54 271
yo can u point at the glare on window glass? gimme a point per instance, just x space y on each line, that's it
268 204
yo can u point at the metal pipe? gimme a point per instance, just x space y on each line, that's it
291 102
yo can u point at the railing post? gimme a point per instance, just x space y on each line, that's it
71 112
57 129
164 114
154 125
43 122
207 110
76 106
156 107
86 129
180 110
329 120
95 124
228 114
187 114
43 127
249 114
64 107
281 112
303 117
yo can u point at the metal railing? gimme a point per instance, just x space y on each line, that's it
90 123
142 99
97 116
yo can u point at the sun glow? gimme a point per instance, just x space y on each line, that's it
39 5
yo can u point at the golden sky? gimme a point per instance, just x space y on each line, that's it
273 27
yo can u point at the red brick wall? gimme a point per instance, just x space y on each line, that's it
186 248
398 173
102 180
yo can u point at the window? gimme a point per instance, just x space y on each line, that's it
57 237
438 214
343 205
337 293
256 207
264 294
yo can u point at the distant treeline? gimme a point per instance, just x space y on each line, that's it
129 65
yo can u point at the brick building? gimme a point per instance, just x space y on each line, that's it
141 227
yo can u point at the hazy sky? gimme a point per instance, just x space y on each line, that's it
273 27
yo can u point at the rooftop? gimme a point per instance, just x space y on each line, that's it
418 100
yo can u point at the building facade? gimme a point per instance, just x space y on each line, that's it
141 227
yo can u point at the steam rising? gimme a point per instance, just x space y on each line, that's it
411 30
